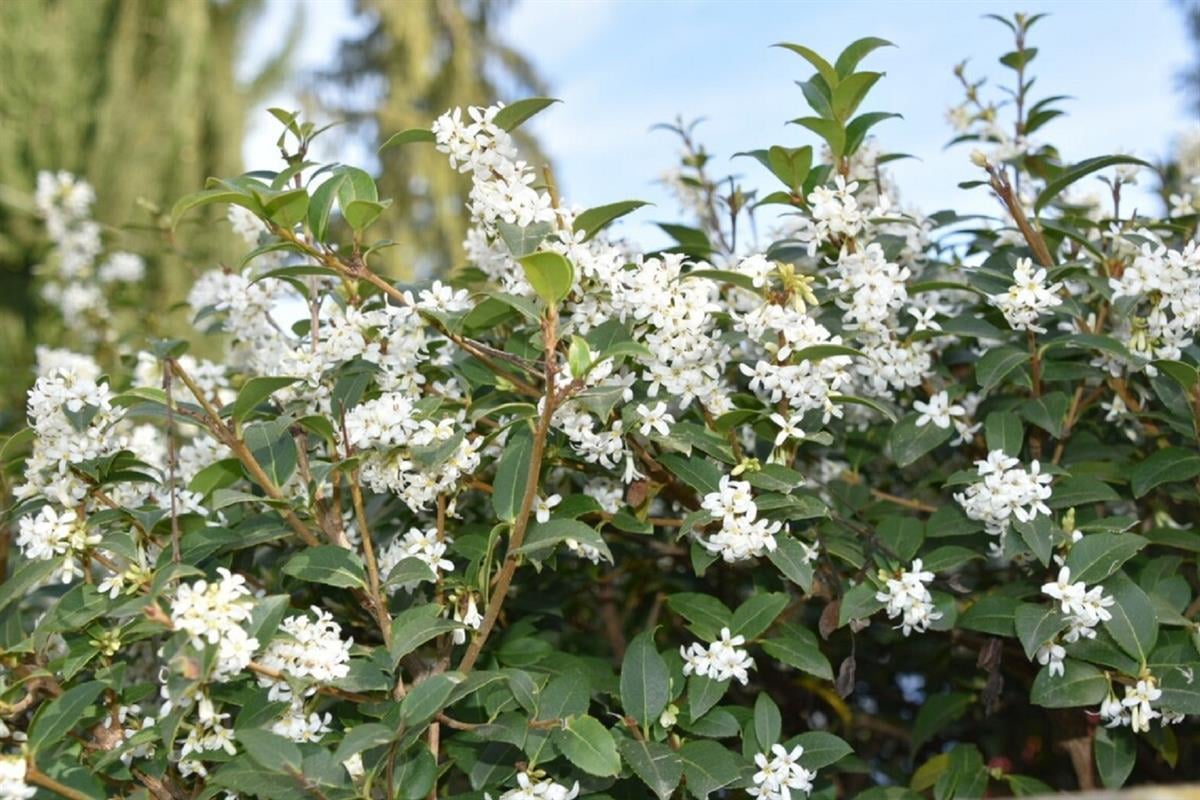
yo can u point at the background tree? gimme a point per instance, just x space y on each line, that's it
138 97
414 60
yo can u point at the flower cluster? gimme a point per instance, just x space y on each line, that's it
1161 289
779 774
742 535
426 546
1028 298
1007 492
723 659
907 597
12 778
213 612
73 282
1085 609
539 788
1134 709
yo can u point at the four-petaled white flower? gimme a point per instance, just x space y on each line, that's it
654 419
544 506
938 411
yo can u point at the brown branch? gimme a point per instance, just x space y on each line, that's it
504 579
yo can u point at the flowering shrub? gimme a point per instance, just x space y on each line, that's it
897 505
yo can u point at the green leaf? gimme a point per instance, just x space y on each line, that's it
856 51
948 557
1134 623
707 614
936 713
699 473
1080 685
254 392
1004 431
995 366
550 274
903 536
287 208
994 614
1080 490
361 214
413 779
789 558
1181 372
768 723
1098 555
1048 412
857 129
851 91
545 536
594 220
512 476
908 441
858 603
210 196
409 136
416 626
408 571
830 130
702 694
1081 170
361 738
1165 466
798 647
271 751
756 614
645 680
589 745
1037 625
823 67
655 764
427 697
707 766
565 696
55 719
327 564
820 749
1115 752
515 113
523 241
272 445
1037 535
320 207
24 579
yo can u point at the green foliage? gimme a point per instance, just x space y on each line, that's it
673 524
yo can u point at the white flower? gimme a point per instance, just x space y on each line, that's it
742 536
1006 492
539 788
1052 654
422 545
938 411
779 773
907 597
656 419
789 427
12 779
1137 702
545 504
1027 298
306 649
213 612
721 660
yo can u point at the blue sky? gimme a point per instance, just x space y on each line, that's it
620 66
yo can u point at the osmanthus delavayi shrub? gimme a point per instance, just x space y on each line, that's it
895 506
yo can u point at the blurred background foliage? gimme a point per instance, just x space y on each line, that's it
144 99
